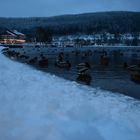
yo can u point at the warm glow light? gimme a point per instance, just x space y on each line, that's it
12 39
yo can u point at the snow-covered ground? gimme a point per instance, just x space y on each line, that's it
39 106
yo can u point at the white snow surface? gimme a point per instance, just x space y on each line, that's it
39 106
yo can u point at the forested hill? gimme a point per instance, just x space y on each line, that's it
113 22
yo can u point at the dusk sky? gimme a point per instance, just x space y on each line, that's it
32 8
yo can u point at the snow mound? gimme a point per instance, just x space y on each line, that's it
39 106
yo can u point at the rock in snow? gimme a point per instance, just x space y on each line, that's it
39 106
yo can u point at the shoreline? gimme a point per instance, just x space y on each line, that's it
104 77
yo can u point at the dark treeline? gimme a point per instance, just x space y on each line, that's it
112 22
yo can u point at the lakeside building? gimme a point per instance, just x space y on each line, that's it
12 37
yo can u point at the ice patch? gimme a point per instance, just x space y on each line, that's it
36 105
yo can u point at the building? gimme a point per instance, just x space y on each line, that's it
12 37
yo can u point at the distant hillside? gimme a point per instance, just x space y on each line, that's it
113 22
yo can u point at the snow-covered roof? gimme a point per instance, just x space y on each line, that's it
18 33
14 33
11 33
36 105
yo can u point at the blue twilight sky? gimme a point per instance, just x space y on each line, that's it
31 8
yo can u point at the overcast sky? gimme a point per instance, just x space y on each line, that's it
31 8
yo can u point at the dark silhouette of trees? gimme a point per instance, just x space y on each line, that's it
43 35
112 22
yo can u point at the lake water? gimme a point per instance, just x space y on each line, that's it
113 77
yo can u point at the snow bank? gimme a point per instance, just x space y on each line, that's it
39 106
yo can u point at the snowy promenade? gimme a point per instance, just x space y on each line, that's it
39 106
